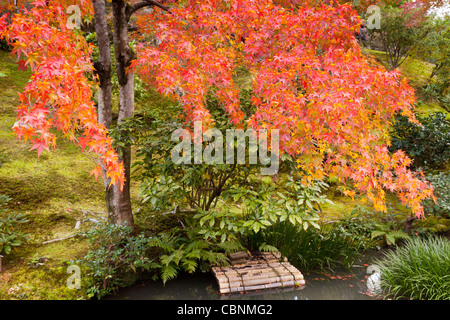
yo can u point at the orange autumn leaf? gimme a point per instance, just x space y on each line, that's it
59 93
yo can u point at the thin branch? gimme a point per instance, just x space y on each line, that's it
60 239
145 3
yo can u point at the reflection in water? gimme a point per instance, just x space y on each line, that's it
203 286
373 282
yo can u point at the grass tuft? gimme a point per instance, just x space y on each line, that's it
419 270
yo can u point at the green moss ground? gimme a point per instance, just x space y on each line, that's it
53 191
50 191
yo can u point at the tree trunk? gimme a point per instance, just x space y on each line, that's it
408 224
103 66
119 202
435 71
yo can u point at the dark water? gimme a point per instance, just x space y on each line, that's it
337 285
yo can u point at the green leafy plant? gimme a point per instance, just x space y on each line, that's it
10 236
258 204
310 249
418 270
37 260
389 229
166 184
186 250
117 256
301 203
390 236
277 217
441 184
360 223
427 145
369 229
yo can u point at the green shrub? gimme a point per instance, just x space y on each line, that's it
428 145
418 270
10 236
360 223
165 184
187 250
374 230
313 248
117 255
441 185
439 91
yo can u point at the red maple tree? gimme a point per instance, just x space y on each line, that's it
310 80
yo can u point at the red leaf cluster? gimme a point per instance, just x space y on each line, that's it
310 80
59 92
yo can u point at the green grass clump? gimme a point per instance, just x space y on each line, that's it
312 249
419 270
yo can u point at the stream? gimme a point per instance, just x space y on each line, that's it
340 284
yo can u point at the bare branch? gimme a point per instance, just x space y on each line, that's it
145 3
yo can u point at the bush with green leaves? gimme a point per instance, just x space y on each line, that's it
428 145
375 229
10 236
185 249
119 257
166 184
361 224
255 206
282 217
439 91
418 270
441 185
116 255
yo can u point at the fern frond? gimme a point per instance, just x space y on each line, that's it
175 257
393 236
377 233
231 246
164 242
197 245
196 254
189 265
268 248
168 272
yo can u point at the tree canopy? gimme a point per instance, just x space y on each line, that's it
310 80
